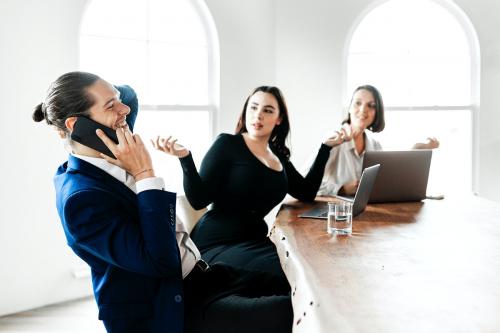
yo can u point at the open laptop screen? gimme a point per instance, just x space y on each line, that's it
359 201
403 175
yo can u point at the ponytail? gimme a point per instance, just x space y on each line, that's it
40 113
66 97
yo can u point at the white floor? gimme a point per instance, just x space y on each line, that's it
76 316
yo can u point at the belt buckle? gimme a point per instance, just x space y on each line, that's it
202 265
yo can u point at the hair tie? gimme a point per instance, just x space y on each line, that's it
44 111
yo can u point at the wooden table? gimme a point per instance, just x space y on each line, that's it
431 266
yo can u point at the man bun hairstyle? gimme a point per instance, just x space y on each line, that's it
67 97
39 113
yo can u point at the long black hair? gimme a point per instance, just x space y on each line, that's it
279 135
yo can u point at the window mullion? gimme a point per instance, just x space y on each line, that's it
429 108
150 107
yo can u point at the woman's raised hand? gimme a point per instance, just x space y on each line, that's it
350 188
348 132
430 143
339 137
169 146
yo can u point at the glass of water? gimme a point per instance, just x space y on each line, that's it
339 218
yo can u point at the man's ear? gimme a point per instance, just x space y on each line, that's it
70 122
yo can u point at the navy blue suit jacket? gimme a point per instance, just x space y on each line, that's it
129 242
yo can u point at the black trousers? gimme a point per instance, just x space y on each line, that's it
225 299
124 325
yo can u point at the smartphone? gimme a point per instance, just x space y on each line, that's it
84 133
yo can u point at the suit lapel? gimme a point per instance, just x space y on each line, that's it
77 165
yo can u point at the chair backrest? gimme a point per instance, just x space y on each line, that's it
187 214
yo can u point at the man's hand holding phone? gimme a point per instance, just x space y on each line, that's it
130 152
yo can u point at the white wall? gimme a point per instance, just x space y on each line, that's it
37 43
310 41
483 14
247 53
295 44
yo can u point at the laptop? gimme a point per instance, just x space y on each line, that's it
403 175
359 201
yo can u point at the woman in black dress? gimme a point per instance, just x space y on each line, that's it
244 176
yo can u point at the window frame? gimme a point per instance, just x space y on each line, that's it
475 67
213 69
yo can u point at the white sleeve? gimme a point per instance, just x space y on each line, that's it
328 187
151 183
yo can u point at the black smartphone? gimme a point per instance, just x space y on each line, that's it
84 133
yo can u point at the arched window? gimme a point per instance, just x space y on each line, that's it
422 56
167 51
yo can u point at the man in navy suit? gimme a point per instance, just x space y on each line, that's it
118 218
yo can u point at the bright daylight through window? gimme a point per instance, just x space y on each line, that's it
161 49
418 55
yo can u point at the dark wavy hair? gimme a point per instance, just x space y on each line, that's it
279 135
67 97
378 124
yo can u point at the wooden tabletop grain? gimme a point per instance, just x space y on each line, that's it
430 266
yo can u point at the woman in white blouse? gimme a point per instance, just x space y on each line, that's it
343 169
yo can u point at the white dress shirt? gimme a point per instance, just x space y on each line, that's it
188 250
344 165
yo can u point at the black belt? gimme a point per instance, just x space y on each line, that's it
201 266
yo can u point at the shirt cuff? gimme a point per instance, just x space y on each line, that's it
151 183
329 189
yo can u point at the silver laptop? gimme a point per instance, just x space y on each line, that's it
359 201
403 175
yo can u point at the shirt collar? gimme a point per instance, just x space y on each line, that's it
113 170
350 146
369 145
